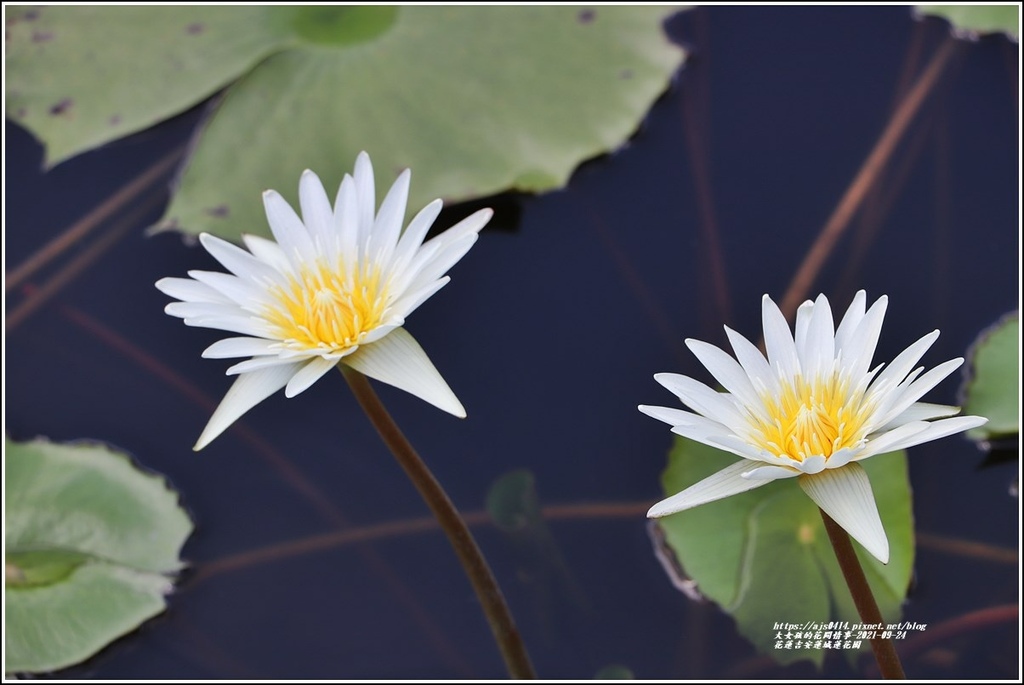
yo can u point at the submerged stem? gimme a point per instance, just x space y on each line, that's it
884 650
472 559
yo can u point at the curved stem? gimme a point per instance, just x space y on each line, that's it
486 587
885 651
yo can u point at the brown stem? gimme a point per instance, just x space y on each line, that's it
862 182
486 587
73 269
88 222
885 651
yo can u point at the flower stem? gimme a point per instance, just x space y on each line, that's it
885 651
486 587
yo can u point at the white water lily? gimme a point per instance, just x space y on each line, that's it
335 287
811 410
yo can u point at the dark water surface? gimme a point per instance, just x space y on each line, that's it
550 334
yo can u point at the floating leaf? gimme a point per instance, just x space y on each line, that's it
78 77
476 100
975 19
615 672
764 555
89 542
992 389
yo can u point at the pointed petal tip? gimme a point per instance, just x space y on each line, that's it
398 360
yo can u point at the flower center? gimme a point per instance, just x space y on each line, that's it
328 309
807 419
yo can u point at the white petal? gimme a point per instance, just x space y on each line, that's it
239 323
778 340
410 302
859 349
188 310
699 397
188 290
753 362
920 411
366 196
438 263
770 473
681 417
726 371
841 458
346 220
260 363
240 347
380 331
742 448
802 324
845 495
851 320
703 434
412 238
884 442
388 225
317 214
934 430
908 395
268 252
813 464
904 362
249 390
308 375
398 360
470 226
238 290
729 481
289 232
818 352
235 259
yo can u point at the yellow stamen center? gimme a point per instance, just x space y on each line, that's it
807 419
328 309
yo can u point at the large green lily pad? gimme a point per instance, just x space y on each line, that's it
82 76
764 557
992 389
90 542
975 19
476 100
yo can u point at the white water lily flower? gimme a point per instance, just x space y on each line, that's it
812 410
335 287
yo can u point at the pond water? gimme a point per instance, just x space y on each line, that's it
550 333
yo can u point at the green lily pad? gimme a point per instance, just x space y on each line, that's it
977 19
476 100
993 384
764 557
82 76
90 541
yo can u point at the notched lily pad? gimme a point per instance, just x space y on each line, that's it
764 557
992 388
91 543
475 99
968 21
104 72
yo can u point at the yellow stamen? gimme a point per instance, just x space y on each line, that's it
816 418
328 309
